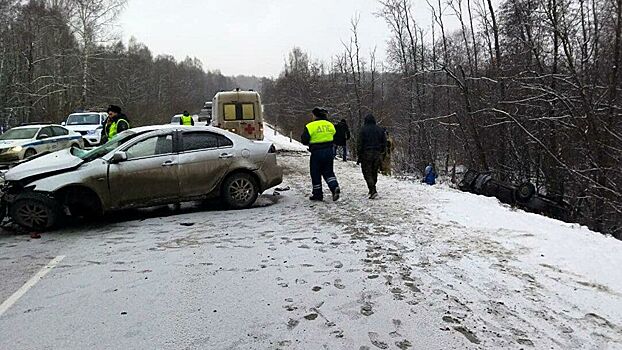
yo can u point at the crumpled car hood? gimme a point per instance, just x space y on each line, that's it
53 162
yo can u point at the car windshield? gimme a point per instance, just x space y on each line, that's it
19 134
83 119
175 119
105 148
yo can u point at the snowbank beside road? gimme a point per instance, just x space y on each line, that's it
571 247
281 142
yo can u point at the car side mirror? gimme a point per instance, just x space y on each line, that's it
43 136
118 157
63 123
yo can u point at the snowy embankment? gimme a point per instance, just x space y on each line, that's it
281 142
573 248
500 276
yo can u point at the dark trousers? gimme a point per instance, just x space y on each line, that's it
344 148
370 163
322 166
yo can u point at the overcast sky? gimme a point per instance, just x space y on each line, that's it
253 37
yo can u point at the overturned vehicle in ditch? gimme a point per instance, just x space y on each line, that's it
523 195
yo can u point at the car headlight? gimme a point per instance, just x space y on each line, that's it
17 149
91 132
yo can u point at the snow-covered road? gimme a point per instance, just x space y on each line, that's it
421 267
502 277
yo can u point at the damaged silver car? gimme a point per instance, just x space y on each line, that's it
141 167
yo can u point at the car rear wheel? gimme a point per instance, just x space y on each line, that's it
240 191
29 153
525 191
35 211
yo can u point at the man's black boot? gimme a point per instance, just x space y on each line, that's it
336 193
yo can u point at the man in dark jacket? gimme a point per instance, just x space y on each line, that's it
341 138
114 124
371 145
319 136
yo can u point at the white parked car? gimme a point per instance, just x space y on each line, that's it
176 120
26 141
88 124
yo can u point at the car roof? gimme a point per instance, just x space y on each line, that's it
35 126
83 113
142 129
150 128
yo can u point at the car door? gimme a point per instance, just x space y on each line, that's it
204 160
46 140
148 176
61 138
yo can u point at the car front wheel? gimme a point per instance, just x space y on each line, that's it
525 191
29 153
240 191
35 211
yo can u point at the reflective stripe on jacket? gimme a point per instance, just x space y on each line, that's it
320 131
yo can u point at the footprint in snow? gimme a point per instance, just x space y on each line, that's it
311 317
375 340
404 344
367 310
291 324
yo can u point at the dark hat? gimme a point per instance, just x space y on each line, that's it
370 119
114 109
186 113
320 112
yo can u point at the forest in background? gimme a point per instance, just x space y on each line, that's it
59 56
528 90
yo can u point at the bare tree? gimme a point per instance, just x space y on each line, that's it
93 23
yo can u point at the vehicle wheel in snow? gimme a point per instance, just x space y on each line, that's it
525 191
35 211
468 180
75 145
29 153
240 191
